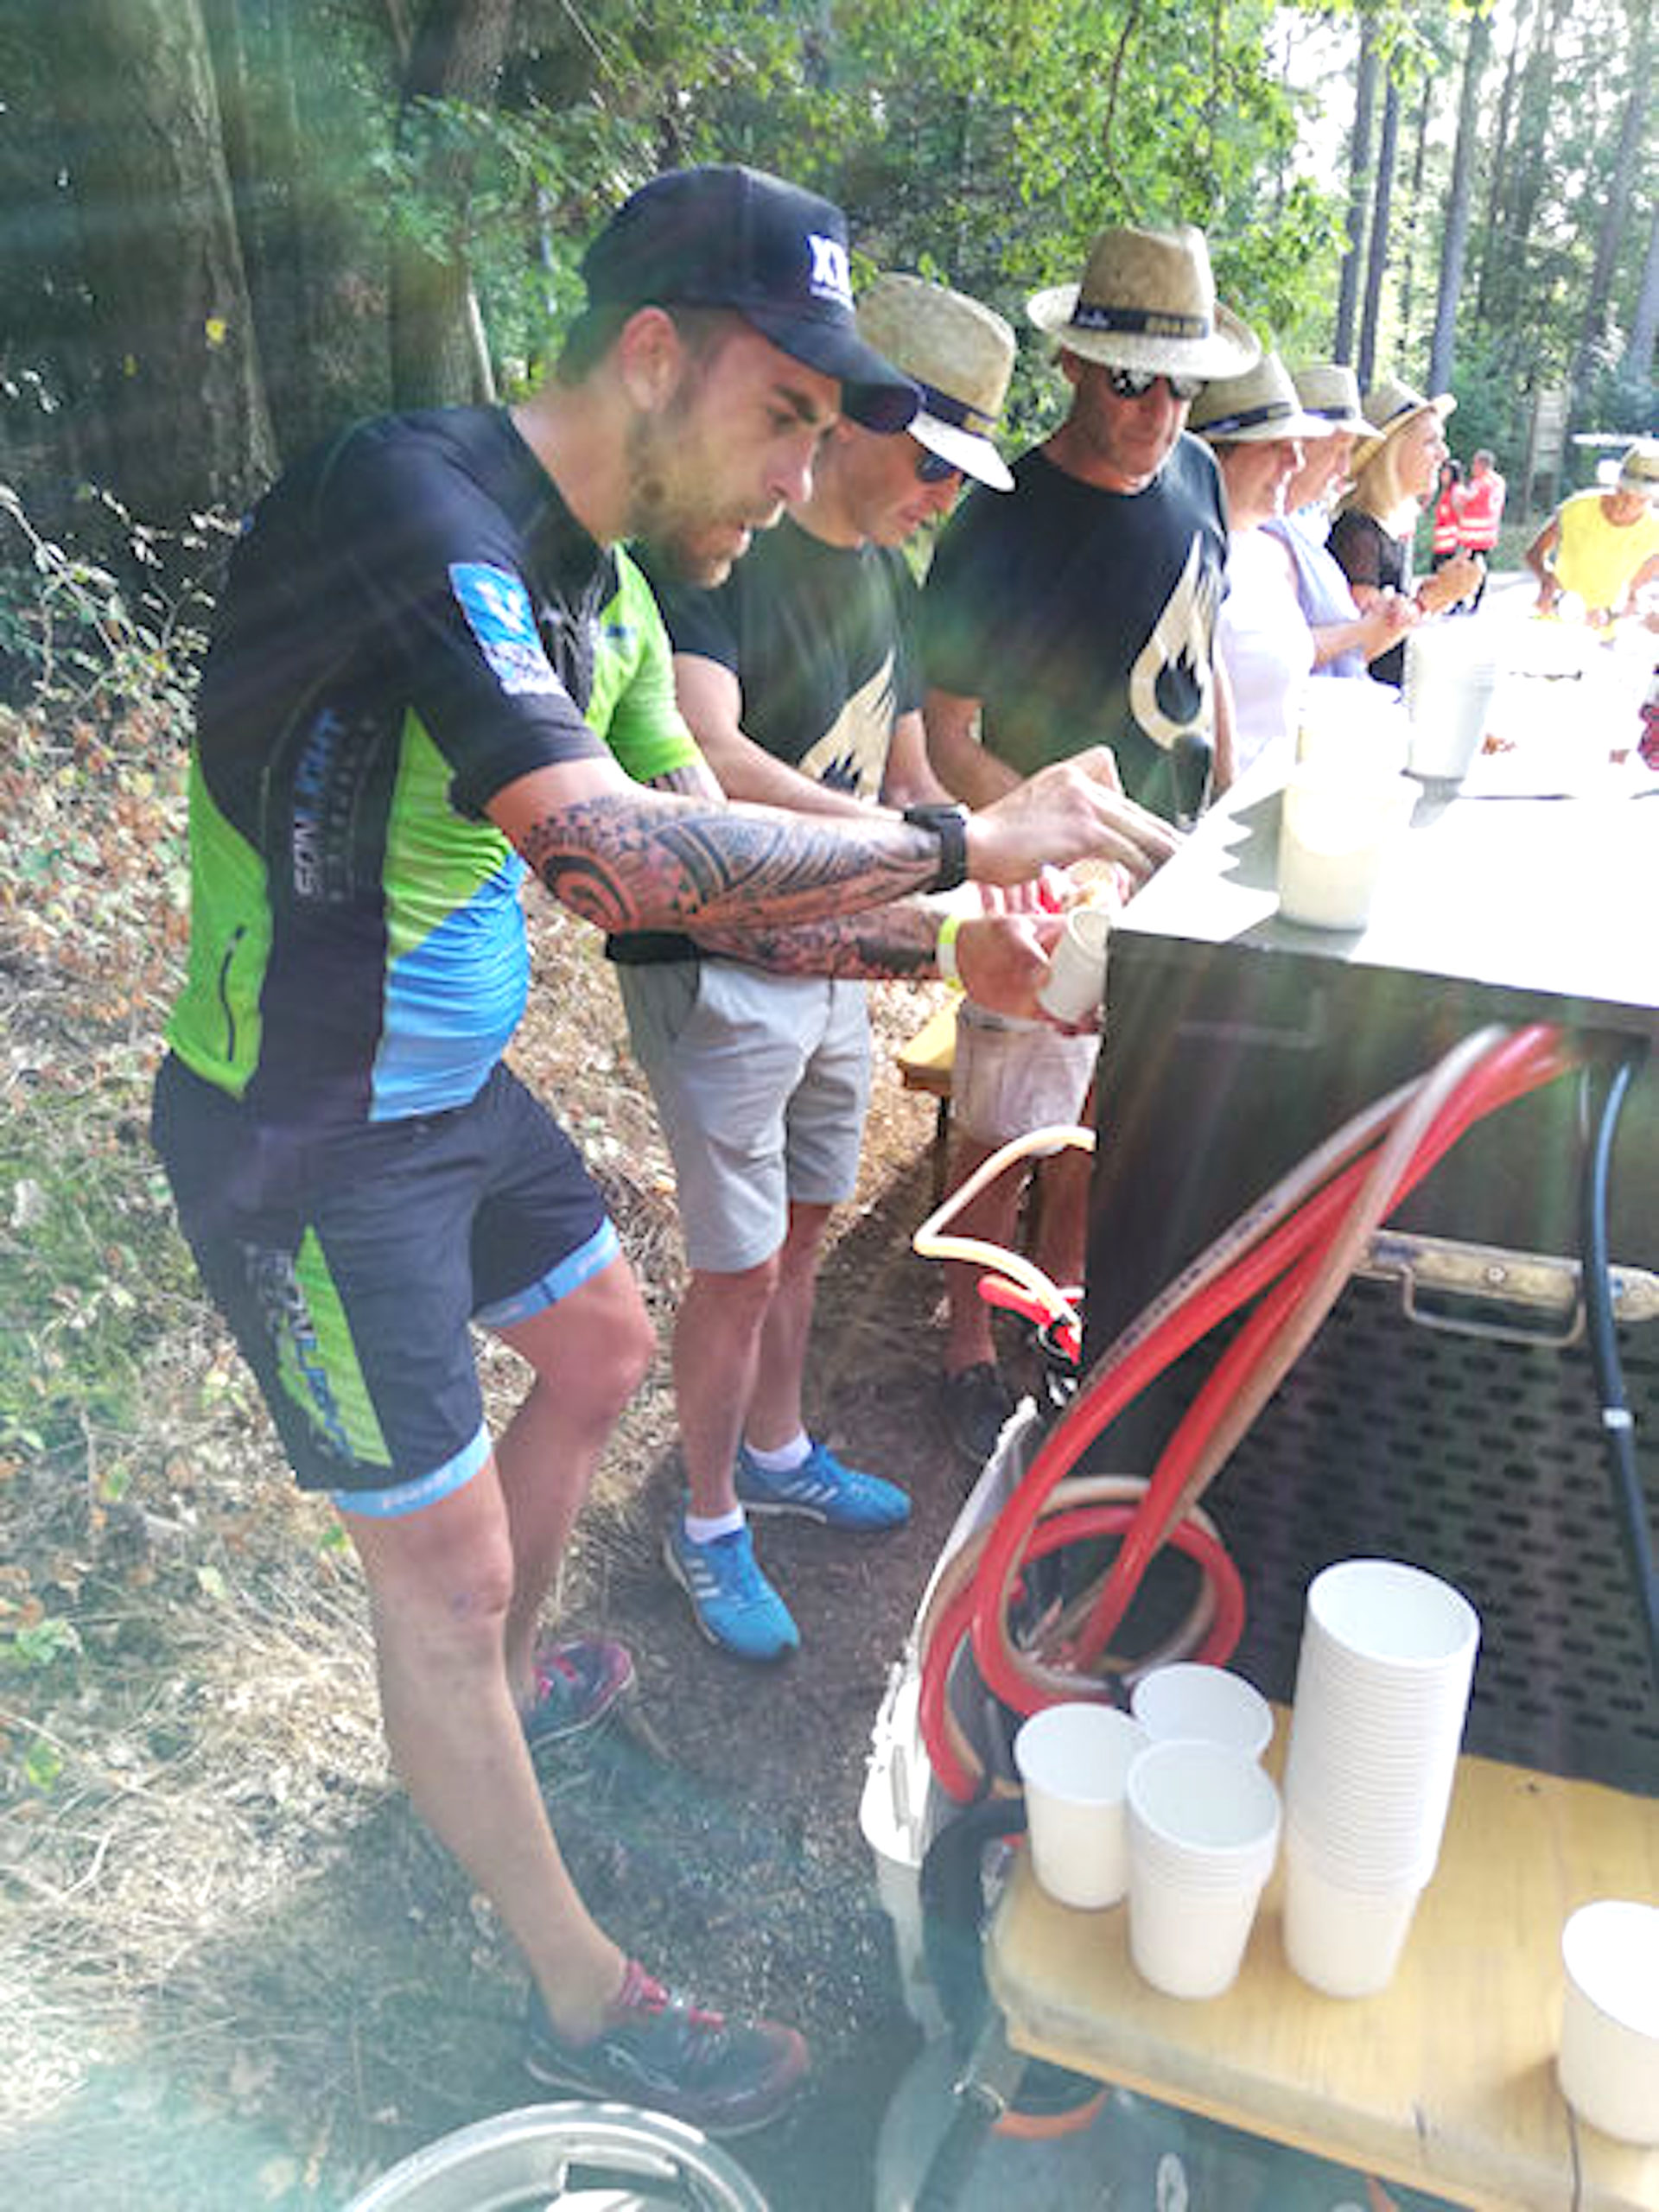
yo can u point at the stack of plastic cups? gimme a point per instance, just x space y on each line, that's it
1381 1691
1204 1833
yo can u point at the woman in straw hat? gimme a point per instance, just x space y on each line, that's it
1254 425
1394 468
1345 640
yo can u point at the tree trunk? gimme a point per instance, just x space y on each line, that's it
1415 224
1359 180
1443 346
1527 167
1377 258
438 352
1637 369
180 396
1615 211
1497 180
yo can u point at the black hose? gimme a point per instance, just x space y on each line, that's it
1618 1422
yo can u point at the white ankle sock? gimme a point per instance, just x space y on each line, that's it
703 1528
786 1456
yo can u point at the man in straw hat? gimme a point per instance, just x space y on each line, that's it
799 680
433 667
1079 611
1602 546
1396 464
1345 640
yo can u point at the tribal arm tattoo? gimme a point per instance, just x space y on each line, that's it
891 943
656 859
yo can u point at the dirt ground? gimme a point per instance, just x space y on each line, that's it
237 1971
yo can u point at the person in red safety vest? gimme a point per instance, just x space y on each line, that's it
1480 509
1447 493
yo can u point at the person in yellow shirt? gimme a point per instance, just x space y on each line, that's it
1603 546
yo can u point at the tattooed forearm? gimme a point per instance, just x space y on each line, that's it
653 860
892 942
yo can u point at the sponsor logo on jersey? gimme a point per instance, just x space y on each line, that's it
500 617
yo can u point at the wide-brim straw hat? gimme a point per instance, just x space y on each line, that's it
1639 470
958 353
1146 299
1254 409
1390 407
1331 390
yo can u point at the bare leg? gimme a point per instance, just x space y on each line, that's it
774 1404
717 1339
440 1582
1063 1221
589 1353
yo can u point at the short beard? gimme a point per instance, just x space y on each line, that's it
653 516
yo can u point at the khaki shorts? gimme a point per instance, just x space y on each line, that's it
1011 1076
761 1084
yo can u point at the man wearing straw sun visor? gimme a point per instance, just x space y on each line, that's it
799 679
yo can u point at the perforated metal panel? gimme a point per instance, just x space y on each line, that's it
1482 1461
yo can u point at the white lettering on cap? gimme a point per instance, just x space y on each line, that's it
830 279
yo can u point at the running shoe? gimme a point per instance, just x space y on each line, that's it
578 1682
823 1490
666 2051
976 1402
733 1604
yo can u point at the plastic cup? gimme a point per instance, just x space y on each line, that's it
1074 1760
1203 1828
1393 1617
1341 1939
1450 675
1609 2060
1075 983
1381 1693
1208 1703
1337 830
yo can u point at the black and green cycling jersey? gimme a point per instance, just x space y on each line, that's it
413 620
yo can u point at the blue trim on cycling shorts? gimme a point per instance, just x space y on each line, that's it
409 1498
575 1268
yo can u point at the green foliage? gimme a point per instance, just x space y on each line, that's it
76 638
39 1644
88 1248
93 891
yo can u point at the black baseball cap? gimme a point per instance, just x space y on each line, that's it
724 236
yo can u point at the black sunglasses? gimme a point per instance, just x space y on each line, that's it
1135 384
932 467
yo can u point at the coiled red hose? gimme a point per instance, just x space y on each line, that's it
1301 1263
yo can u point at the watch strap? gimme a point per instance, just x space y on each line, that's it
949 825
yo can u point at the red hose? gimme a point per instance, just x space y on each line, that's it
1078 1525
1532 1056
1518 1064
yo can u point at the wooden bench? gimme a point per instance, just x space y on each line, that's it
927 1064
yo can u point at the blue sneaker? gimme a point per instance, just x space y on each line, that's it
733 1604
823 1490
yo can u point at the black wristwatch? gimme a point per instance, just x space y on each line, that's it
949 825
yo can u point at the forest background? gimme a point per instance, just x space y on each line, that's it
226 227
232 225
